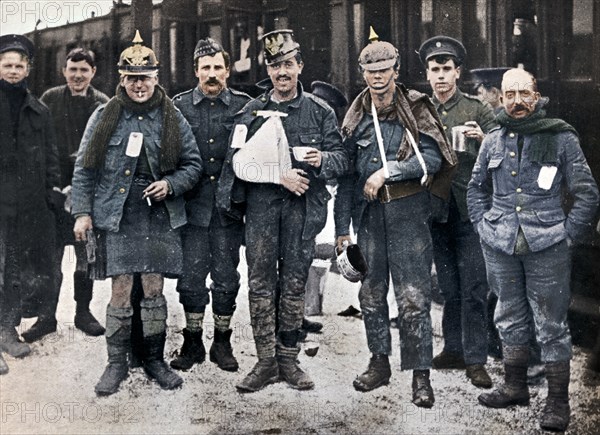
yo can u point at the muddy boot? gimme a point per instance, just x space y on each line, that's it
264 372
448 360
43 326
192 351
556 413
514 391
84 320
154 321
3 365
479 376
421 389
289 368
118 341
10 343
378 373
221 352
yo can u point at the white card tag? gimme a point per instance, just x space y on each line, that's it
239 136
546 177
134 144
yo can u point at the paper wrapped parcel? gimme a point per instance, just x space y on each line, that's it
265 157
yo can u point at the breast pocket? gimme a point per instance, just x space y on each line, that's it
114 152
314 140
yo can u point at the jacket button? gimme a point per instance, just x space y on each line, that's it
122 190
444 113
375 160
513 173
445 127
212 178
212 103
211 140
127 172
140 117
512 154
212 159
519 190
511 135
518 208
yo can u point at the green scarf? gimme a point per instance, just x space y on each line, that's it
544 146
170 139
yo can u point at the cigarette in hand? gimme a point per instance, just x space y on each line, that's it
148 201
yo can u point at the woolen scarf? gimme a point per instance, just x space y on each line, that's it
544 145
170 139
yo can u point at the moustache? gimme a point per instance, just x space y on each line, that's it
213 82
518 107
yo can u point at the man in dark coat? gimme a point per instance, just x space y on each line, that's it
71 105
389 205
30 175
286 206
515 204
211 243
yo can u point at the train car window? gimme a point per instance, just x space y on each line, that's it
580 44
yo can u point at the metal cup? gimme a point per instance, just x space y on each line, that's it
459 140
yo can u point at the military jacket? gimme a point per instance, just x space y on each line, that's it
70 115
506 194
211 121
310 122
101 193
459 109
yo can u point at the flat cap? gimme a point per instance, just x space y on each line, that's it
329 93
442 45
279 45
207 47
18 43
488 77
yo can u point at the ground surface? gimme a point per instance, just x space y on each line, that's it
51 391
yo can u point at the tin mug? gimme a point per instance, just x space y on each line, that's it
459 140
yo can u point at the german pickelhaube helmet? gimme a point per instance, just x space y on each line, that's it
138 60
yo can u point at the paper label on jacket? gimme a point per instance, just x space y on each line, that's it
134 144
546 177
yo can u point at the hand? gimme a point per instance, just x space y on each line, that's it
82 225
157 191
293 181
339 243
314 158
373 184
474 133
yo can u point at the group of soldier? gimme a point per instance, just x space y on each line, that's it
155 190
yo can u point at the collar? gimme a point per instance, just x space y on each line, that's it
198 96
152 114
450 103
295 102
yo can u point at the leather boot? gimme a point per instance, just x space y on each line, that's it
264 372
556 413
377 374
289 368
3 365
448 360
43 326
310 326
514 391
221 352
10 343
479 376
84 320
192 351
155 365
421 389
154 322
118 341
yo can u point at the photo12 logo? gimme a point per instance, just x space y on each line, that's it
48 12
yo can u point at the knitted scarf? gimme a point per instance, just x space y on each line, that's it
170 139
544 146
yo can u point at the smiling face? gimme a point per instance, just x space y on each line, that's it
139 88
78 76
442 77
519 93
212 74
284 76
380 81
14 67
